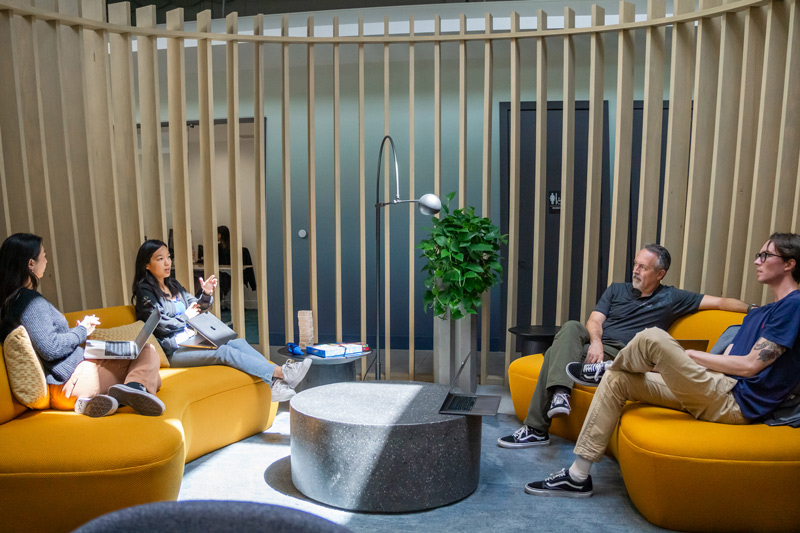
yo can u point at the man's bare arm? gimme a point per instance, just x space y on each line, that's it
763 354
595 327
723 304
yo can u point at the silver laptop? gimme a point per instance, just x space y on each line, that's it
468 404
122 349
210 332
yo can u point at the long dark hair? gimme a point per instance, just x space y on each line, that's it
224 236
15 254
142 276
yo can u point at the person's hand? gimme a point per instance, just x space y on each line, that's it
594 354
208 285
192 311
89 322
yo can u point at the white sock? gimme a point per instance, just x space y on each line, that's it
579 470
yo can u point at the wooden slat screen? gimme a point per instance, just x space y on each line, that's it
82 151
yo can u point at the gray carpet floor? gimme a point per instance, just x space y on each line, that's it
258 469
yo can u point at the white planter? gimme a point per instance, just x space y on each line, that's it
453 340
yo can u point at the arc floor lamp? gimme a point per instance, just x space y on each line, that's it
429 204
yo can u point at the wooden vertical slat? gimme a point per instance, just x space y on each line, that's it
5 229
678 136
63 250
620 202
288 298
259 166
750 89
412 251
34 149
20 213
567 174
650 170
540 177
767 141
437 107
722 164
71 73
486 184
700 159
125 145
102 159
207 165
513 193
154 208
594 169
362 194
462 113
789 142
178 152
387 188
234 181
337 184
312 181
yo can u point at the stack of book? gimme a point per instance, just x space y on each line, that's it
336 350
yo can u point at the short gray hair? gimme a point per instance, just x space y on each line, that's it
663 259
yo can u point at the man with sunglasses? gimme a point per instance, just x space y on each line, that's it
757 372
623 310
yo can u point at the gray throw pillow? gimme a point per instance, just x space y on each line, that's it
725 339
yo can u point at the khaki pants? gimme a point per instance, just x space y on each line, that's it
95 376
569 345
680 384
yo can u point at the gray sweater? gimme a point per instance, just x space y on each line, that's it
58 346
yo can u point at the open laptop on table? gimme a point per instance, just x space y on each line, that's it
122 349
468 404
210 332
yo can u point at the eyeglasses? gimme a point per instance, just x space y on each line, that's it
764 255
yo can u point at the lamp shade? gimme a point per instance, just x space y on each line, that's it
430 204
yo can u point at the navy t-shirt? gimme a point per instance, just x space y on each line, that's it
628 312
778 322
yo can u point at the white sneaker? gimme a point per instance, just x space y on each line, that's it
295 371
96 406
281 391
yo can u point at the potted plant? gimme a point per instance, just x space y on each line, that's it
463 262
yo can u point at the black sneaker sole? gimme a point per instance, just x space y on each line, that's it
557 412
557 493
142 402
504 444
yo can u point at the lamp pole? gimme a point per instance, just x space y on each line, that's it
429 204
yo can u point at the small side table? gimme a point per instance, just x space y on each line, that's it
324 370
535 339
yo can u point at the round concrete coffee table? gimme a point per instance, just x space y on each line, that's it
382 447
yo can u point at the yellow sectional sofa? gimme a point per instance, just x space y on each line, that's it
59 470
687 474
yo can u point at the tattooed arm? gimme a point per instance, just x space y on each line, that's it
762 355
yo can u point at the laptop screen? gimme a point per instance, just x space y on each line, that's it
147 330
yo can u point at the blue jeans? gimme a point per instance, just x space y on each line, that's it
237 354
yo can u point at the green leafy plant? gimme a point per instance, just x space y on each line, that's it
463 253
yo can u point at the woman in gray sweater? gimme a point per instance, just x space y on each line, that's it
90 387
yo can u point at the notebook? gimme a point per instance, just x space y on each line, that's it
210 332
122 349
468 404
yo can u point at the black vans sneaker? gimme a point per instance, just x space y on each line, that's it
588 375
524 437
142 401
559 405
561 484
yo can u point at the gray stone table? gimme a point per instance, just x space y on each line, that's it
382 447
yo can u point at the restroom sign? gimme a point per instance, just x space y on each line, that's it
554 202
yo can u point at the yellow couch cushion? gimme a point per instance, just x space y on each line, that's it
688 474
25 372
128 332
